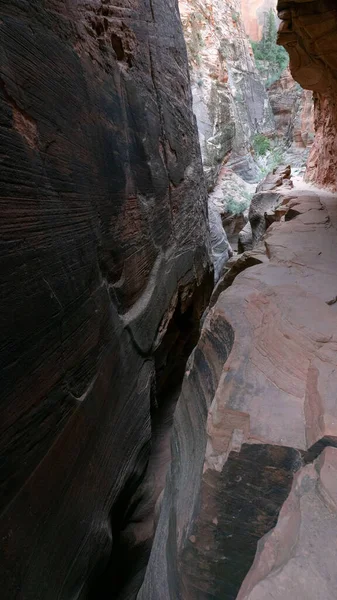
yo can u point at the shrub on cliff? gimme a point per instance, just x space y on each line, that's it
261 144
271 59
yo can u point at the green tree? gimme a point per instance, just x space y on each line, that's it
271 59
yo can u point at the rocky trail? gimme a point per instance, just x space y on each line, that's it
258 414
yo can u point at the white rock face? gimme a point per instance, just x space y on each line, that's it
230 101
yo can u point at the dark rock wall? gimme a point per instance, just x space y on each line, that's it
103 243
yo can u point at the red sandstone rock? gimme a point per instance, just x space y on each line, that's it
253 12
258 404
297 559
309 33
104 265
293 110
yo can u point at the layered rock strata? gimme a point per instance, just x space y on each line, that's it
105 274
246 512
308 31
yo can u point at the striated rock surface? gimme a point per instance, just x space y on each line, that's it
308 31
105 273
247 511
229 99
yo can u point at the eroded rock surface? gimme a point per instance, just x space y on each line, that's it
297 559
265 207
257 407
293 110
105 273
308 31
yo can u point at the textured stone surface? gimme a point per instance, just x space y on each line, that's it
265 206
308 31
104 272
229 98
293 110
297 559
258 403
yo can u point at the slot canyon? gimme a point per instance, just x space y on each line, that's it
168 189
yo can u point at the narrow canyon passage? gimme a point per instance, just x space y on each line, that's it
168 353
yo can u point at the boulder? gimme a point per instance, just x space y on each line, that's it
245 239
261 204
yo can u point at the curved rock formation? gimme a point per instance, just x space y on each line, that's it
258 404
105 273
308 31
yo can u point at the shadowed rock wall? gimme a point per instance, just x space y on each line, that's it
104 263
308 31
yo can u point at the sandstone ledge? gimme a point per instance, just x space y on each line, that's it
258 404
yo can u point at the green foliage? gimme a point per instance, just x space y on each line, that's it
235 16
235 207
271 59
261 144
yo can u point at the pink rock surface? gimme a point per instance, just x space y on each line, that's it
258 407
308 31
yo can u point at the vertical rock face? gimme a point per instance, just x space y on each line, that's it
105 272
293 110
308 31
229 98
253 12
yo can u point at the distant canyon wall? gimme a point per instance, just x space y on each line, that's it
229 98
293 110
253 16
